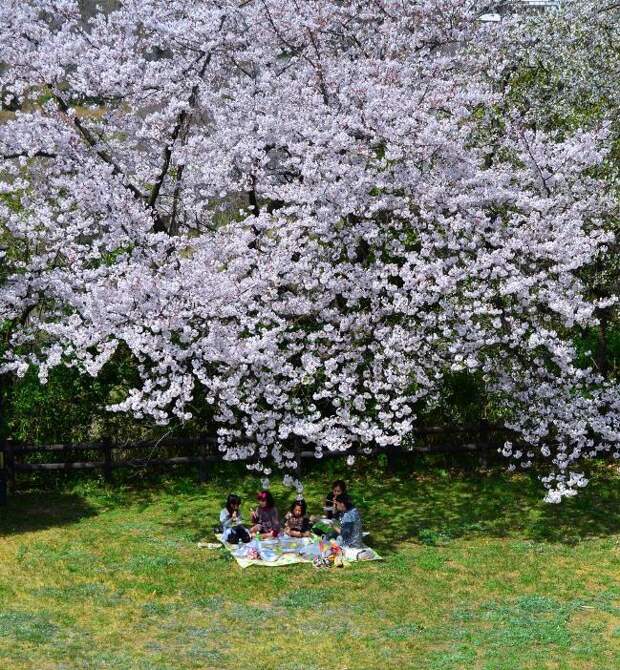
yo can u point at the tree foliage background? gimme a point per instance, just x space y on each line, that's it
329 222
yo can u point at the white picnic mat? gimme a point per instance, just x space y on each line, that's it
289 558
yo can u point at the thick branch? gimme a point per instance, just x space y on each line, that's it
536 165
173 229
182 118
92 141
27 154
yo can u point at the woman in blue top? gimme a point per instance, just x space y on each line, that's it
349 528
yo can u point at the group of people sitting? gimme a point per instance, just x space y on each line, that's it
345 522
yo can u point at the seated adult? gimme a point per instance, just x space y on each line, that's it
349 526
339 487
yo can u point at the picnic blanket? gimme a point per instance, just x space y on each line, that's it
289 558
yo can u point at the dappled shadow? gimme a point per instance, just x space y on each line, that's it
420 501
431 509
424 501
192 519
34 511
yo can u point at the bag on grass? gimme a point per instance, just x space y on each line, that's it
362 554
237 535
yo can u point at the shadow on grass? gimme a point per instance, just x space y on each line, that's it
34 511
436 507
422 501
430 502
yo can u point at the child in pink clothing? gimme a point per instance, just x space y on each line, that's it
265 518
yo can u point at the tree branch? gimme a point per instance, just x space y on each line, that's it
92 141
27 154
181 121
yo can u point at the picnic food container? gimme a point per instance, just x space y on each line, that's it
268 555
290 544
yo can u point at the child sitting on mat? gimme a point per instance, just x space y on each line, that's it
265 518
233 530
297 524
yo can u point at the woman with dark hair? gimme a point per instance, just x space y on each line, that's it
349 528
297 523
339 487
233 530
265 518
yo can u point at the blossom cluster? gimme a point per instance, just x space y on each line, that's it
307 213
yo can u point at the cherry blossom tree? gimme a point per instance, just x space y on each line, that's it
565 75
308 214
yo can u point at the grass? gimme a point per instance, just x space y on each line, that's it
478 573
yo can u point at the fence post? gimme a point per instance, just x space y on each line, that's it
3 477
107 460
9 465
202 464
391 459
483 436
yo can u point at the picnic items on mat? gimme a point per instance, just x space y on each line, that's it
331 557
290 544
284 550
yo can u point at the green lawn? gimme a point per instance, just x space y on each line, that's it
478 573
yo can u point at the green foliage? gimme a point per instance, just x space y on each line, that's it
462 401
69 407
587 345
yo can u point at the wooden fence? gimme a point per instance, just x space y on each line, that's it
14 457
